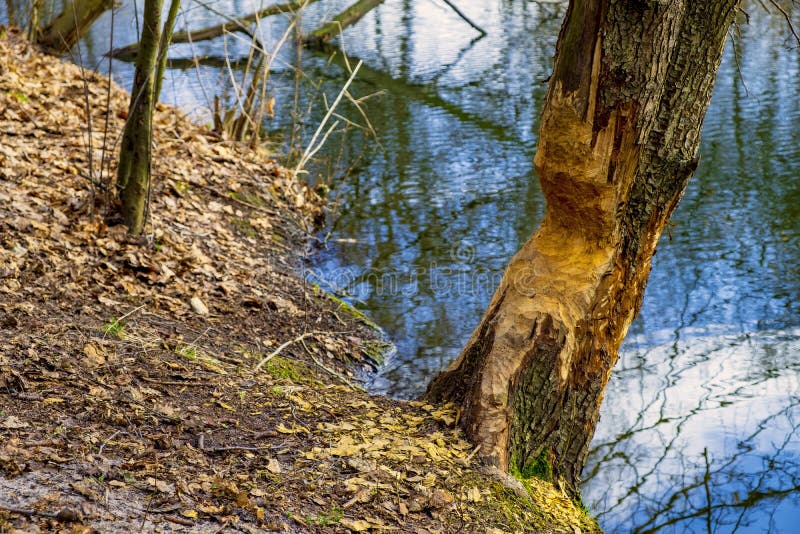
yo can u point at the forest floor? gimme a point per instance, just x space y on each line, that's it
146 384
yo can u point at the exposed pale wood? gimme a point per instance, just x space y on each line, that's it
620 131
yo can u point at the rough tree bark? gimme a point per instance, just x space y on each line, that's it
620 130
133 171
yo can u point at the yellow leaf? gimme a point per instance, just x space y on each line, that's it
210 509
226 406
301 402
346 447
359 525
191 514
283 429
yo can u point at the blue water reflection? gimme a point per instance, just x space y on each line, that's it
699 429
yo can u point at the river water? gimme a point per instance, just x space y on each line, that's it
699 428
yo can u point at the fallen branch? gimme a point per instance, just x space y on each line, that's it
239 24
280 349
234 199
106 442
179 520
66 515
330 371
180 383
337 24
67 28
238 448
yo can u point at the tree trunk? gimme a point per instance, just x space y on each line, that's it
67 28
163 47
133 173
618 143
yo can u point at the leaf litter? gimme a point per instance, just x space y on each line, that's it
129 390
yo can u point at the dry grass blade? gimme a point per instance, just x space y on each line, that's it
312 146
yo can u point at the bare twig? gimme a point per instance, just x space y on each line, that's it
238 448
87 105
330 371
280 349
106 442
788 19
171 382
234 199
777 6
179 520
104 153
471 455
337 24
464 17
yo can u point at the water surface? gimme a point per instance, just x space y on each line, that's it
699 429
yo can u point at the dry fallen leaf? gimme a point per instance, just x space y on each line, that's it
358 525
12 422
274 467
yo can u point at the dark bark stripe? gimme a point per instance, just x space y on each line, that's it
620 131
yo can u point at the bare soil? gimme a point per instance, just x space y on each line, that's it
131 396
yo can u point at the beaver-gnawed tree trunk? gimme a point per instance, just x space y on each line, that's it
619 137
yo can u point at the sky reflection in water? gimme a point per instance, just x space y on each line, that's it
699 429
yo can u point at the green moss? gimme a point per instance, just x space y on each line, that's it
547 510
291 370
255 200
539 468
281 368
244 227
377 350
334 517
181 187
349 309
21 97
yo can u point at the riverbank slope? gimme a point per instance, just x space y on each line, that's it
190 380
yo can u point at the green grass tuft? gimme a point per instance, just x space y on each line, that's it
114 328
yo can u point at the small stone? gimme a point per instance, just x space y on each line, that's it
274 467
198 306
